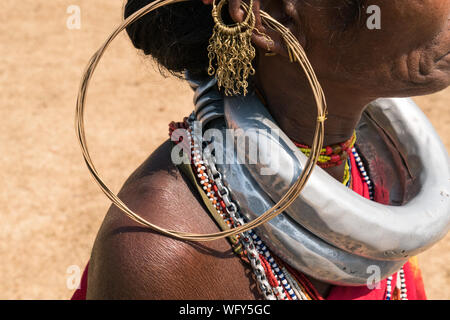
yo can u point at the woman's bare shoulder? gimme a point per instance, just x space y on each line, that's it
132 262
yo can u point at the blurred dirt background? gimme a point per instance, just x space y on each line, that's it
50 207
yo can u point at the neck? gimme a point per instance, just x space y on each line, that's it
291 103
296 114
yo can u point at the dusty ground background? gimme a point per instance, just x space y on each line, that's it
50 207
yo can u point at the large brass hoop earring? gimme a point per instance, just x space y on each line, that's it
299 56
230 46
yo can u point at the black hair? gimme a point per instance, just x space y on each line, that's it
177 35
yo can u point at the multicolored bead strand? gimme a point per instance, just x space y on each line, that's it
216 197
330 156
347 175
400 285
203 176
282 277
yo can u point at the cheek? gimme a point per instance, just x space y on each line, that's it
419 63
404 57
411 22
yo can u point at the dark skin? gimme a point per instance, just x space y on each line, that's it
129 262
407 57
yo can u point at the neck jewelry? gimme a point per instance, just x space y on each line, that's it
273 278
329 232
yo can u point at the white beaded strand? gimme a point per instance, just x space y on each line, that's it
363 172
237 219
389 288
278 272
246 240
403 290
401 282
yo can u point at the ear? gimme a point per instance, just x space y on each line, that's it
263 37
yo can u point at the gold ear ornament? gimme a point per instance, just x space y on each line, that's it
231 52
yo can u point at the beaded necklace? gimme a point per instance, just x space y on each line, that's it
400 283
276 280
331 156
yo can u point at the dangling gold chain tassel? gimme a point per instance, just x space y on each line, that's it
233 51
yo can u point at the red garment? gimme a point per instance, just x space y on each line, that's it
414 285
413 277
80 293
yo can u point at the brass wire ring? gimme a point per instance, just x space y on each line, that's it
249 20
295 50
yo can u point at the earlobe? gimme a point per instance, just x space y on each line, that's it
263 37
269 41
235 10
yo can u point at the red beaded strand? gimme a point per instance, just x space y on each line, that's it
331 156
